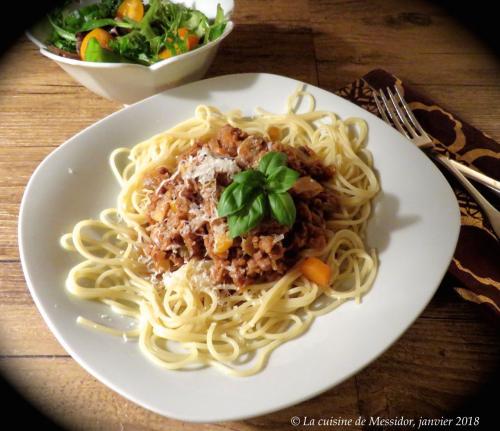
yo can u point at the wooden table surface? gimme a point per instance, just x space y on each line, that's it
441 363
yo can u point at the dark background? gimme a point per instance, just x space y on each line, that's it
478 17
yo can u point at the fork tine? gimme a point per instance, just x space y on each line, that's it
380 108
401 114
390 110
410 114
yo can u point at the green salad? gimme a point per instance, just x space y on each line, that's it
130 31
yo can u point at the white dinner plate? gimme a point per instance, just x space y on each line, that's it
414 226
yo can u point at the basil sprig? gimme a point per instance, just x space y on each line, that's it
254 194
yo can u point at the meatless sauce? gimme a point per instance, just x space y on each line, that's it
182 214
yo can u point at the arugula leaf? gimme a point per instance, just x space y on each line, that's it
219 17
156 45
101 9
219 25
169 17
283 208
196 22
96 53
271 161
249 217
282 179
90 25
149 17
63 44
74 20
61 31
132 46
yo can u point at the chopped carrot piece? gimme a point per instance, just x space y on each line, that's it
316 271
274 133
102 36
133 9
164 264
222 243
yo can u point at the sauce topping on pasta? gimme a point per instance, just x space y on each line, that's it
183 220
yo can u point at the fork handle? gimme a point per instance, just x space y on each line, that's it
475 175
489 210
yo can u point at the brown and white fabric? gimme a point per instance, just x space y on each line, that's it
475 269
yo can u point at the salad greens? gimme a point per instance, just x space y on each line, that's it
130 30
255 193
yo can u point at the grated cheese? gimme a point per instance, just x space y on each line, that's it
277 238
207 166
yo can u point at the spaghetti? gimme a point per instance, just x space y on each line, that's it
185 321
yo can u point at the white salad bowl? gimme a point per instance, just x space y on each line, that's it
128 82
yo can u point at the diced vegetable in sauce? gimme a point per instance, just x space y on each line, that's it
316 271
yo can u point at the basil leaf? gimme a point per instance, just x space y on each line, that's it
271 161
235 197
282 208
247 198
282 179
97 53
227 202
251 177
247 218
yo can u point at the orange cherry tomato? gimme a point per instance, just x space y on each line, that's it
170 52
183 32
191 39
165 54
102 36
133 9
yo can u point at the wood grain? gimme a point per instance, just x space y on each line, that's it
259 48
445 359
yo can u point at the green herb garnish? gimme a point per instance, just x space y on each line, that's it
255 193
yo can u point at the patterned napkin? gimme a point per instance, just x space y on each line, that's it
474 272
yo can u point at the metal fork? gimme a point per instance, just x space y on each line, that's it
395 111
